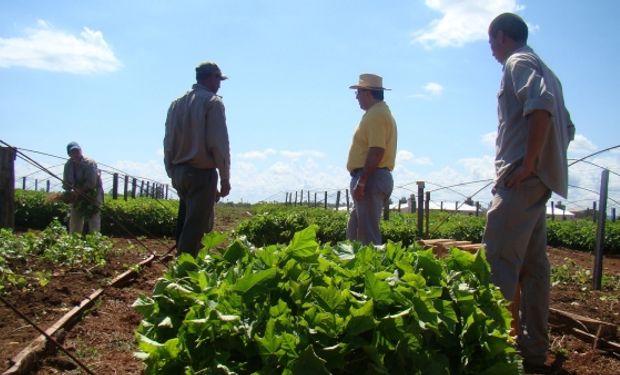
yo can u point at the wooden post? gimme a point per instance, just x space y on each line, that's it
308 200
167 187
428 211
600 232
337 200
420 209
477 208
115 186
411 202
142 188
7 187
148 189
295 204
594 211
347 195
36 184
47 186
441 206
134 185
126 188
613 214
552 211
24 183
315 200
325 204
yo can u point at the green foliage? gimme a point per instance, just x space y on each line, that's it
581 235
139 216
54 247
276 224
34 209
307 308
571 274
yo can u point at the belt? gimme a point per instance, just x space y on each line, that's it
357 170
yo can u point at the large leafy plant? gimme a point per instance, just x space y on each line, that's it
311 309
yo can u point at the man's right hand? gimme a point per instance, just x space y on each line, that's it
224 188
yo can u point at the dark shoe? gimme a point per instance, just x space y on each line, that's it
535 368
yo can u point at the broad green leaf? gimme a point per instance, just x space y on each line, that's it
309 363
147 345
362 319
344 250
304 245
376 289
329 298
235 251
209 241
144 305
256 280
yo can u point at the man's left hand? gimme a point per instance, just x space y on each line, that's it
519 175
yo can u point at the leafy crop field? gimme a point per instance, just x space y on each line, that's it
46 288
311 309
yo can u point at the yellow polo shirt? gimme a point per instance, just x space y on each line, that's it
376 129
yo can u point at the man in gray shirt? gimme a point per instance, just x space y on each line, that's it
195 145
533 134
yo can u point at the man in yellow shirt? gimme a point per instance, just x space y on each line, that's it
371 159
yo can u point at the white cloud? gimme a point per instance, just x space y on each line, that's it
407 157
479 168
46 48
581 145
302 153
257 155
461 22
488 139
433 89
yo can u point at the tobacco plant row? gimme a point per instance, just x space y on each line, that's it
307 308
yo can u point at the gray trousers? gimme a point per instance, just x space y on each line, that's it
197 188
516 242
363 225
76 221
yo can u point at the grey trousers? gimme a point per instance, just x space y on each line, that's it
516 243
76 222
363 225
197 188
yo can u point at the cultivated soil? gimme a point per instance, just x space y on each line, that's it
104 339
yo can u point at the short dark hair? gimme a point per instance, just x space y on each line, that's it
377 94
511 24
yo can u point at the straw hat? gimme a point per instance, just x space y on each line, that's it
369 82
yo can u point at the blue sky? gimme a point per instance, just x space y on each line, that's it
103 73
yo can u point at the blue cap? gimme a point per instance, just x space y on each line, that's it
73 146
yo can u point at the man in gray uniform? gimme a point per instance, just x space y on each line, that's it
533 134
82 180
195 145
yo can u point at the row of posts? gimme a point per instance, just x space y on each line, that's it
146 188
423 206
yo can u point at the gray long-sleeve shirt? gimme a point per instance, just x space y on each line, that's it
196 132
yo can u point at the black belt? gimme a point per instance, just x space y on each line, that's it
357 170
